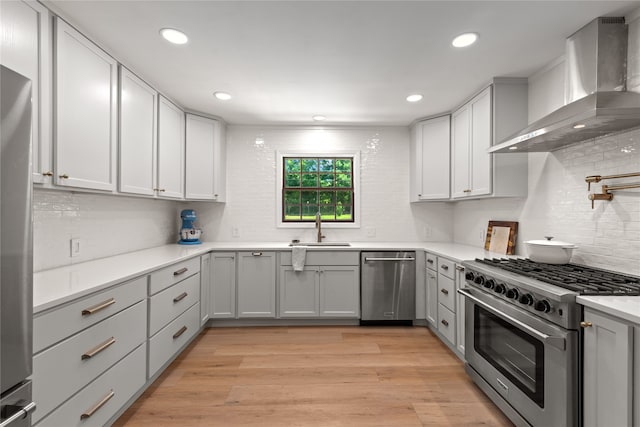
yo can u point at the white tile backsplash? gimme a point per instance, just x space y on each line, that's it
607 236
384 178
106 225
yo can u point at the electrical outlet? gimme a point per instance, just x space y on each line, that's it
371 232
74 246
235 232
427 231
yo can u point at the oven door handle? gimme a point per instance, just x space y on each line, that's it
558 342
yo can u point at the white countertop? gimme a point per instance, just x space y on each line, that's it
627 308
60 285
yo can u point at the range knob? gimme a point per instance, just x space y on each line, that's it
489 284
469 276
513 293
478 280
543 305
500 288
526 299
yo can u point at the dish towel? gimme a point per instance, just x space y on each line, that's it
298 255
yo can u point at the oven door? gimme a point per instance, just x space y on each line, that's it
529 363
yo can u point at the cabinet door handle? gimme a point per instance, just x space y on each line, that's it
180 332
444 322
256 253
97 349
430 261
98 307
444 267
459 268
97 406
179 272
63 176
180 297
586 324
444 291
467 191
48 173
159 189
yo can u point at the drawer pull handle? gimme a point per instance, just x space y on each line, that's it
444 267
444 322
256 253
97 406
97 349
98 307
180 297
180 332
179 272
430 261
444 291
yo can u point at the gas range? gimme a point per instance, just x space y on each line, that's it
546 290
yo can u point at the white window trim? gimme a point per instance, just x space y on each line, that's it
280 155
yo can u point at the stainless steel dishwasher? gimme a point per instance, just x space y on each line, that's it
388 287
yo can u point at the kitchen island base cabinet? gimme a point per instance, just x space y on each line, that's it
97 403
608 371
257 284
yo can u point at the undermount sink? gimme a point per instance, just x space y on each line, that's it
320 244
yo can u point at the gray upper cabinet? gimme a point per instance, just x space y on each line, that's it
138 112
257 284
85 112
25 47
205 157
430 142
492 115
170 165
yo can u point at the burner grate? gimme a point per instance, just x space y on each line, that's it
578 278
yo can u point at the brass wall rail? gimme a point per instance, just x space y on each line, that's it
606 189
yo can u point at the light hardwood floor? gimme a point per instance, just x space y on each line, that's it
314 376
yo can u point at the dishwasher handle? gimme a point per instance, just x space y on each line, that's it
367 259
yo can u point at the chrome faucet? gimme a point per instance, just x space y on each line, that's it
319 227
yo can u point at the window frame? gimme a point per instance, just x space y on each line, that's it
354 155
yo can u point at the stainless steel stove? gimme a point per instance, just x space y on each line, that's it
522 334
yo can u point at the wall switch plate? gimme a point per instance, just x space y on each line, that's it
74 247
235 232
371 232
427 231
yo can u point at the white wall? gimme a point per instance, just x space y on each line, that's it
106 225
384 179
608 236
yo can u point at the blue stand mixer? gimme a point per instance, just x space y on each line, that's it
189 235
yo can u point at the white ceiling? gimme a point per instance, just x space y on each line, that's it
352 61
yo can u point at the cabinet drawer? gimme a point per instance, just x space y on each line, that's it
325 258
63 369
170 339
57 324
446 267
166 277
446 292
446 323
115 387
172 302
432 261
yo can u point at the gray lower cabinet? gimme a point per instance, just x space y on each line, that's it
222 303
432 296
320 291
256 284
460 319
205 288
608 371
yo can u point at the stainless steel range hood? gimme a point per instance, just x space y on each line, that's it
598 103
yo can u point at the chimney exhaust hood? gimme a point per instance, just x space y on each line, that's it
595 89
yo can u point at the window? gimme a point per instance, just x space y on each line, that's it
322 184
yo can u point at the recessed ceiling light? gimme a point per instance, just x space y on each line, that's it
579 126
414 98
319 118
174 36
465 39
222 96
513 148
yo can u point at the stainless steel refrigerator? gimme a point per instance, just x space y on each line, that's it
16 260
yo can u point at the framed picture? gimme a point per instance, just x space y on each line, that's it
501 237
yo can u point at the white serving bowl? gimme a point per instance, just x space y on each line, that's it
550 251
